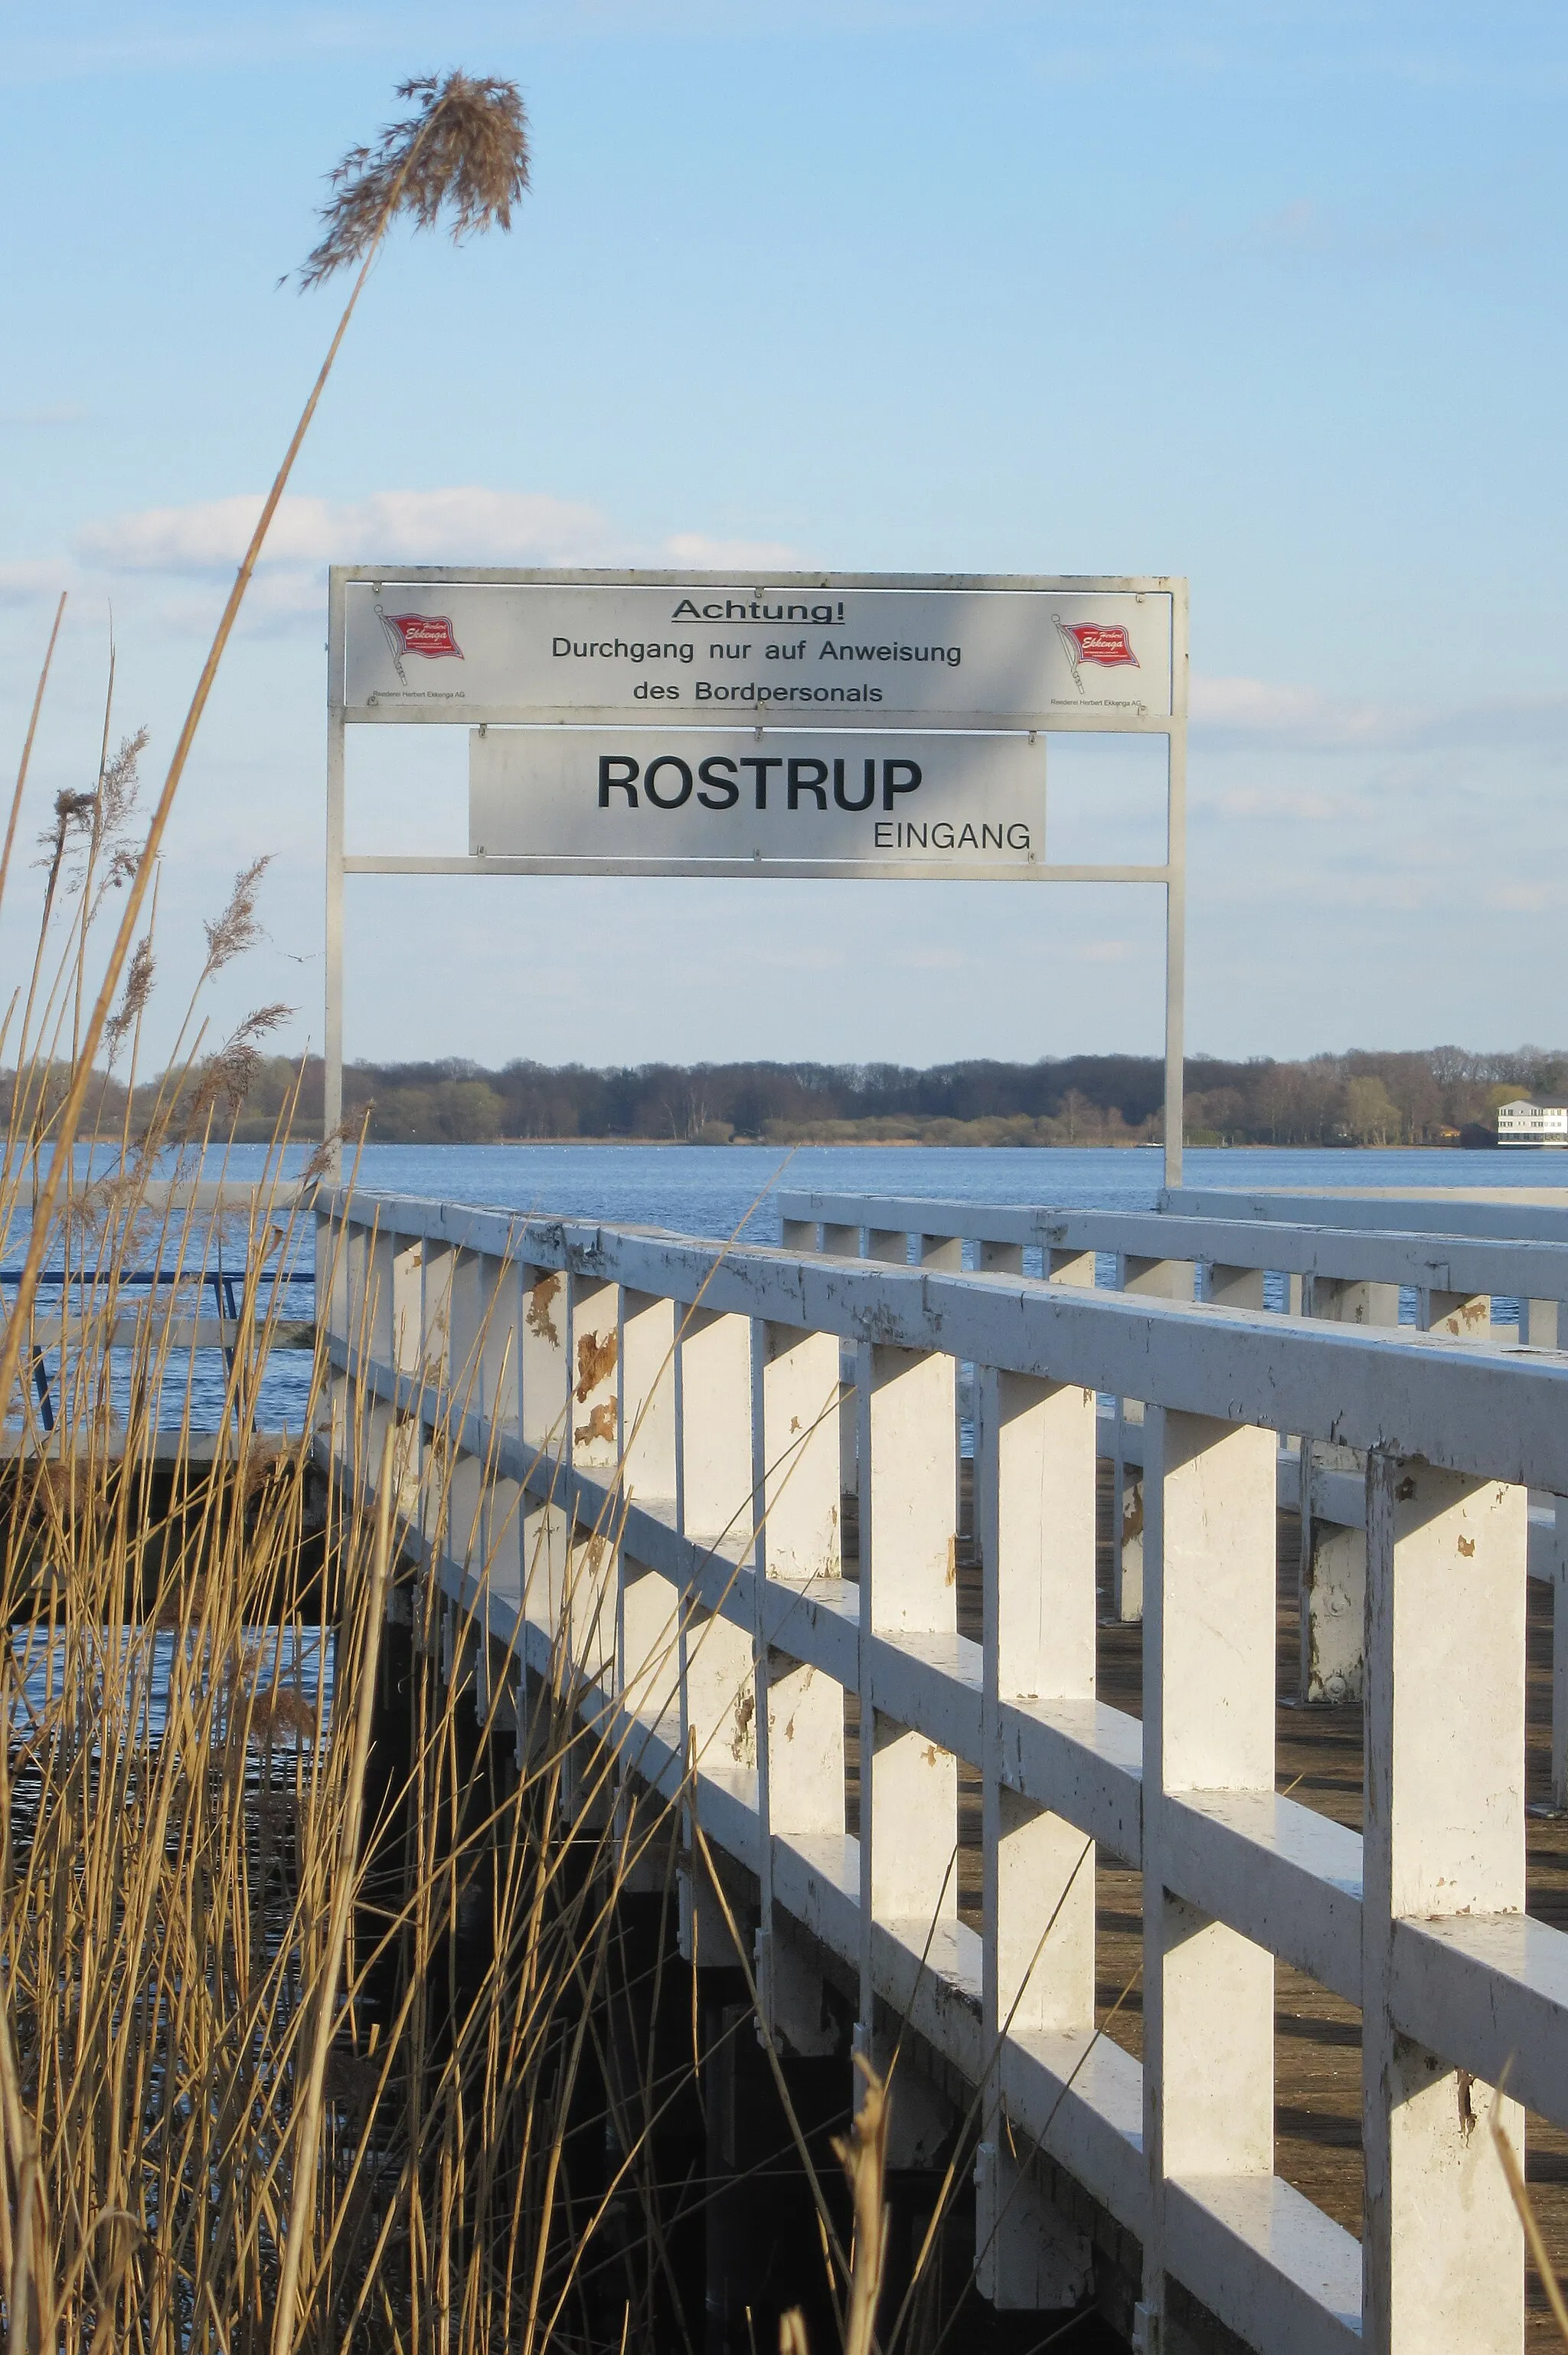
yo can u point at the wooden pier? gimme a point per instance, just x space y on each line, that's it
646 1444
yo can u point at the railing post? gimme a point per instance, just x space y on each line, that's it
944 1256
715 1507
335 1315
435 1317
1443 2250
942 1253
375 1333
801 1398
1539 1324
593 1313
908 1586
467 1302
545 1537
843 1242
429 1329
799 1710
408 1284
1153 1279
543 1361
471 1301
1457 1315
483 1327
1559 1559
1035 1505
649 1605
500 1378
1331 1591
1208 1725
1226 1286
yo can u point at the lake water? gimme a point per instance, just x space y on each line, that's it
726 1190
722 1189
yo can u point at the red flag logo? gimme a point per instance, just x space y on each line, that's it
1106 643
428 634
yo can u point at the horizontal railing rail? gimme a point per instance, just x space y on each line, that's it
1223 1249
638 1433
1438 1265
1503 1213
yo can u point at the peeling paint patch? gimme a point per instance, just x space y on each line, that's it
600 1423
540 1301
596 1358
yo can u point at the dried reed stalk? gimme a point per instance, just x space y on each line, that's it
342 1905
465 147
1524 2207
292 2054
249 2099
26 759
864 2157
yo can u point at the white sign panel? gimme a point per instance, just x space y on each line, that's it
759 801
641 651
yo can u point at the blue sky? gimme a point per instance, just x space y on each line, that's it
1268 295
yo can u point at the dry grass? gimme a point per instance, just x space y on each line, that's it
298 2026
302 2036
293 2044
275 2080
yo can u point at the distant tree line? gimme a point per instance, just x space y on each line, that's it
1445 1095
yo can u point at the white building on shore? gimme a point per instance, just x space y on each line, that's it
1523 1123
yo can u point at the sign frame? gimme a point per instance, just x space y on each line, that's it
1118 718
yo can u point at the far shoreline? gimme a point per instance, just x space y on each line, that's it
921 1144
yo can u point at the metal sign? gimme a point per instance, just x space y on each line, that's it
772 802
823 725
825 651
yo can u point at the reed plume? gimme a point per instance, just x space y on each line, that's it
462 155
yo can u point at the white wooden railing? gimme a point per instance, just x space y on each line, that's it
1459 1287
578 1378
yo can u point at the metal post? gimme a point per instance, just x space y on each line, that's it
1175 980
332 1044
1176 892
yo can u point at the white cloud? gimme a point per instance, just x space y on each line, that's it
929 960
56 412
1277 801
20 583
1242 712
121 41
1259 707
1103 952
465 525
1301 223
1524 899
696 549
1306 227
